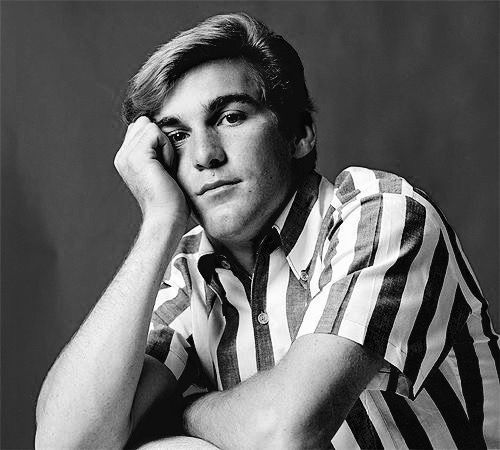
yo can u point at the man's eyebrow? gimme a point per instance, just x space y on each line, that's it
168 121
219 102
214 106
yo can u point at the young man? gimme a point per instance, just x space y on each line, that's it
306 314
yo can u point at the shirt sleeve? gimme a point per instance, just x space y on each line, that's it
389 281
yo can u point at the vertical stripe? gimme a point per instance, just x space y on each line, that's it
181 265
334 305
297 298
210 298
207 331
366 290
365 248
491 386
346 190
458 316
177 356
450 371
451 409
245 349
407 422
216 324
340 268
326 226
368 233
300 211
263 344
436 333
385 311
227 358
470 379
326 274
301 255
362 427
382 420
432 421
413 295
388 182
277 303
416 347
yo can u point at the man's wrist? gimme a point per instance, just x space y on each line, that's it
164 224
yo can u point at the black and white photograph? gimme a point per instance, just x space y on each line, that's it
250 224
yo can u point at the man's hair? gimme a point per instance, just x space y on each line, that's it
275 67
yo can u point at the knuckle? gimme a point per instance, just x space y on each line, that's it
142 120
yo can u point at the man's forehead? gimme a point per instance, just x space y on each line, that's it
209 82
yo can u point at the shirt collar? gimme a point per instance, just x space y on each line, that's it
299 224
298 227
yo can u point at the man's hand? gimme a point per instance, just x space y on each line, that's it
146 162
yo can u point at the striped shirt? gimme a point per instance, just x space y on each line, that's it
371 259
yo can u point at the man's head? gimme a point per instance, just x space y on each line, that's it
273 63
231 97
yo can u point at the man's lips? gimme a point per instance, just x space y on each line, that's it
215 184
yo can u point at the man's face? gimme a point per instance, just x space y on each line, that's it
233 164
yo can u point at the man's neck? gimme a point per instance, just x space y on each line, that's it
243 253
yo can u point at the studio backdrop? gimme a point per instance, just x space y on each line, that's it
407 87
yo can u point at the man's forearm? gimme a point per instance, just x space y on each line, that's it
249 416
300 403
88 394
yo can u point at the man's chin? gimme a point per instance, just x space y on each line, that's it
227 229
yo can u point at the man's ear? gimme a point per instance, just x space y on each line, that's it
306 141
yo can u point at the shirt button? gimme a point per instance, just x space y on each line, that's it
225 264
304 276
263 318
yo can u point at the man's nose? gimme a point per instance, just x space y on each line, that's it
209 152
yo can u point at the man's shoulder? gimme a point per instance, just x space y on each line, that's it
355 182
382 192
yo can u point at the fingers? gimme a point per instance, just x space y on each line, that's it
144 139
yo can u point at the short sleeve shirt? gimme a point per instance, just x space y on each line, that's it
368 258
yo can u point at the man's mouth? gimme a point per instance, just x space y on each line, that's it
216 184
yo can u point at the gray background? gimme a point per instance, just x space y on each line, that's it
409 87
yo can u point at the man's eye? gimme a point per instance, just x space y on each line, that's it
177 137
232 118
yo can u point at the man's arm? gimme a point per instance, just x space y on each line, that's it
90 397
300 403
